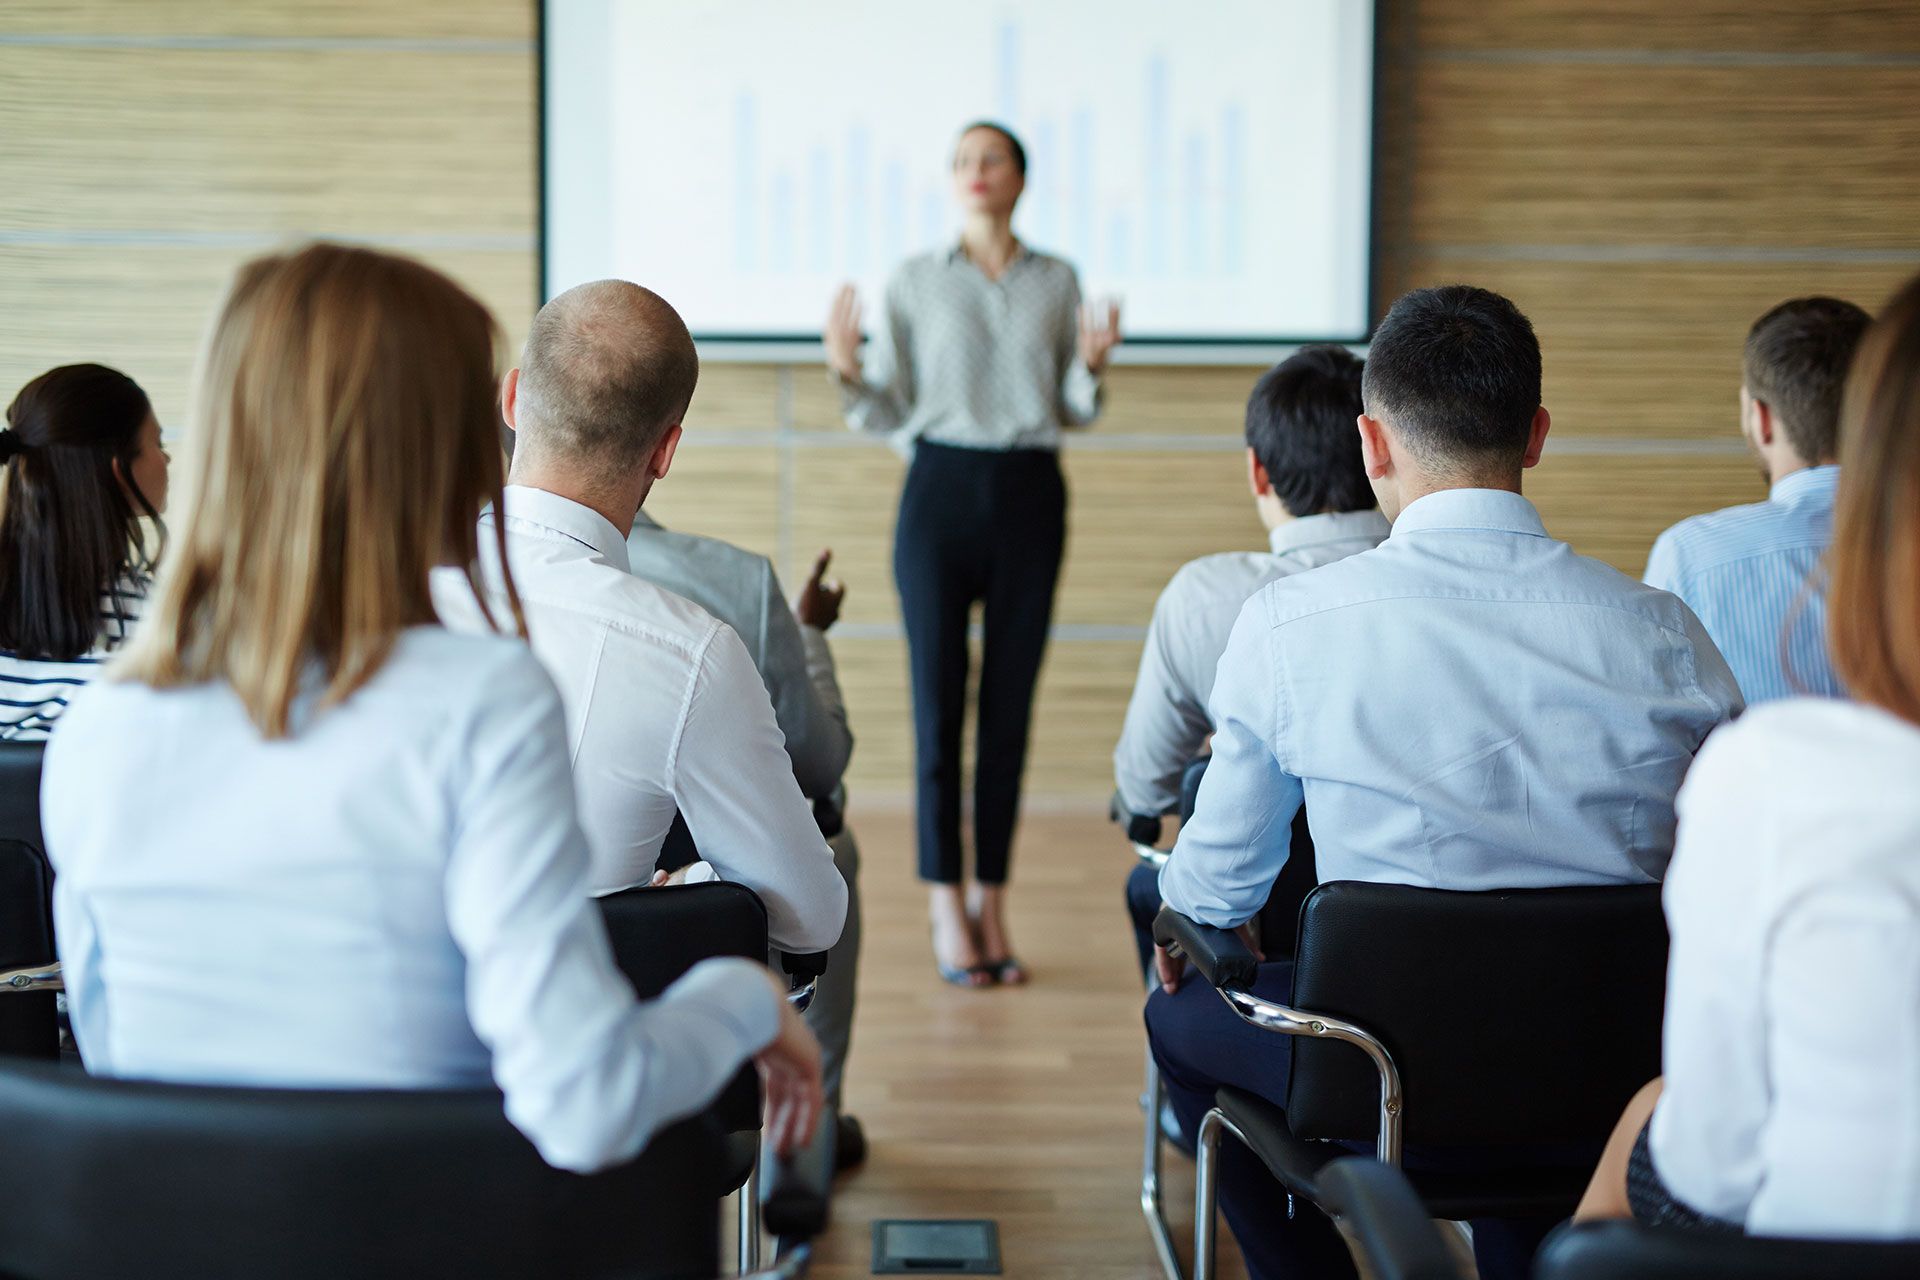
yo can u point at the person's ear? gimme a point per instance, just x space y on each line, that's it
662 460
1763 424
1257 478
1376 454
1536 437
510 399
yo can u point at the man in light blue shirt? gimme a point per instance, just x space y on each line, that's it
1752 573
1470 705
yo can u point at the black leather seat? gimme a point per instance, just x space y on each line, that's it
1626 1251
1512 1020
107 1179
28 1024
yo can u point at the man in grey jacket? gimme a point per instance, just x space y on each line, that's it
789 647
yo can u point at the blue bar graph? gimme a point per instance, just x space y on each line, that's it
1233 189
1196 197
746 181
820 212
1159 160
850 208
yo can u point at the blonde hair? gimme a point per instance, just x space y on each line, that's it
1873 604
344 441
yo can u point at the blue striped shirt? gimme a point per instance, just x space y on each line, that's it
1753 576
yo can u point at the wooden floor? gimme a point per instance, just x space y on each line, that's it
1013 1104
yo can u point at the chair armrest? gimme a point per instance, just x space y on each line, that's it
1387 1220
40 977
1219 954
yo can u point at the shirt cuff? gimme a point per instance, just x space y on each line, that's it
1081 390
699 873
736 994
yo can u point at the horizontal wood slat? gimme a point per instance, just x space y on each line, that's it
1764 26
345 143
322 19
1746 156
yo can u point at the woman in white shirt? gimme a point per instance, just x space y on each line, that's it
306 837
81 472
1789 1104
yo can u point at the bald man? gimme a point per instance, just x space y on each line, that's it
665 710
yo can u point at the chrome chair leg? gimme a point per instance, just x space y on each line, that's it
748 1224
1152 1205
1206 1193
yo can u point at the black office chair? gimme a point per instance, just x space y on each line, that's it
28 972
657 935
106 1179
1512 1019
1627 1251
1389 1227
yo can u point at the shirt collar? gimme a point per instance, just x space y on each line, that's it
1316 531
1492 510
1807 486
530 510
958 253
641 520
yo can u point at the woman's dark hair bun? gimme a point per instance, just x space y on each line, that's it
10 445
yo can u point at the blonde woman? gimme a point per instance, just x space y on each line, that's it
305 836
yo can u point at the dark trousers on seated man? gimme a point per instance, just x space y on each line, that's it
1201 1044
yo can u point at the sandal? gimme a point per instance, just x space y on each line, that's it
1008 971
955 975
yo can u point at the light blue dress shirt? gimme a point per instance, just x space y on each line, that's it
1470 705
1753 576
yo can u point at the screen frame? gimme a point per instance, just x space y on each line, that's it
806 347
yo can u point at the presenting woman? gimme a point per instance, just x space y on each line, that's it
983 355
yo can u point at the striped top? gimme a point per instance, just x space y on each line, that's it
1753 576
962 360
34 691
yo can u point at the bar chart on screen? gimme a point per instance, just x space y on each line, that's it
756 155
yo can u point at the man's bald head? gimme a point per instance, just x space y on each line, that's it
609 369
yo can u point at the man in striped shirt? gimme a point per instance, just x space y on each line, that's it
1752 573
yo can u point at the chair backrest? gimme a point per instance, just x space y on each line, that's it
1625 1251
20 792
27 1022
106 1178
1520 1017
658 934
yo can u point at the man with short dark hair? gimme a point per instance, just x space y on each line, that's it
1752 572
665 711
1310 491
1469 705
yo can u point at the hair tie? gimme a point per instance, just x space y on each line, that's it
10 444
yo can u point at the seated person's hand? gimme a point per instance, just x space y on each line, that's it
790 1081
819 603
661 879
1170 969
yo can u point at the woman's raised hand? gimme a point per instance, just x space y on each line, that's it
1099 332
842 334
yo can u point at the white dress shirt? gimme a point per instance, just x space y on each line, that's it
1793 993
665 711
1167 716
1470 705
795 662
394 897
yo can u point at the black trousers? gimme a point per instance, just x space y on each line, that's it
975 526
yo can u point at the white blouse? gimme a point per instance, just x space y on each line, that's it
394 897
1792 1100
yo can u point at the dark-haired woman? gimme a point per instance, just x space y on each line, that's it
82 467
983 355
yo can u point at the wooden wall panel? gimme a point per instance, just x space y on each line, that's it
1651 349
1572 153
1612 508
722 492
1713 26
845 499
144 308
329 19
291 142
